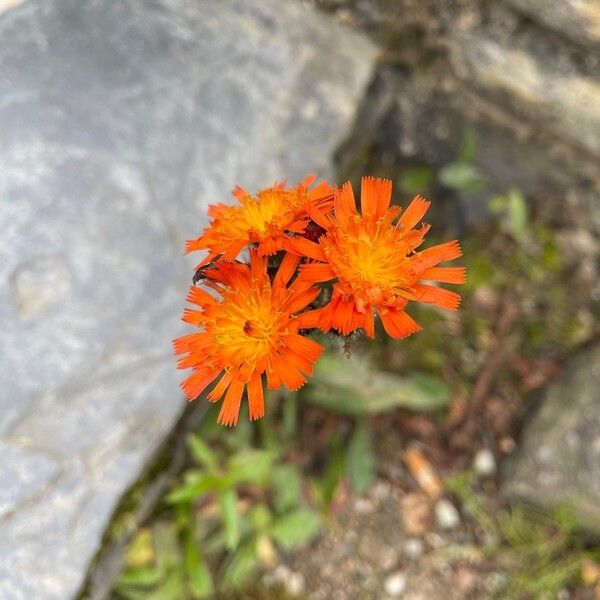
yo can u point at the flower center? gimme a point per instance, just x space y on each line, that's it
272 208
248 328
369 262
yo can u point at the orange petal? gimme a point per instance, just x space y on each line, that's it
296 361
232 251
303 247
414 212
344 203
437 254
315 272
258 267
304 346
318 216
230 409
437 296
308 180
239 192
321 196
193 317
369 322
220 388
445 274
200 297
189 342
256 403
197 382
345 317
287 373
286 269
375 196
299 300
273 379
398 324
309 319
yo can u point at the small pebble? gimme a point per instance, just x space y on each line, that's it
446 515
380 491
414 547
394 584
484 463
363 506
295 584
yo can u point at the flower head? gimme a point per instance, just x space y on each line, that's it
373 258
266 219
250 330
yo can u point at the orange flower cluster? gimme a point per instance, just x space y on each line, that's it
257 323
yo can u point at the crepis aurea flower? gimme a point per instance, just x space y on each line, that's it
373 260
251 330
255 325
266 220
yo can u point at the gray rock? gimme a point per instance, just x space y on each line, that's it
553 94
577 19
559 460
119 123
529 95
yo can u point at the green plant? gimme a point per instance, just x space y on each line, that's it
543 550
461 175
547 549
351 386
512 211
231 513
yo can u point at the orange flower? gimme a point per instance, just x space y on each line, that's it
252 329
373 258
266 219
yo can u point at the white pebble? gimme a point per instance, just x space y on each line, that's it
363 506
446 515
484 463
394 584
413 547
295 584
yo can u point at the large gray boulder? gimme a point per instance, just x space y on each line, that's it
119 122
559 460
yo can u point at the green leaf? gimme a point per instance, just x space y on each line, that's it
351 387
250 466
241 565
517 213
199 576
198 486
231 518
172 589
468 146
260 517
166 544
326 486
416 180
286 485
497 204
296 527
140 576
360 462
461 177
202 453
